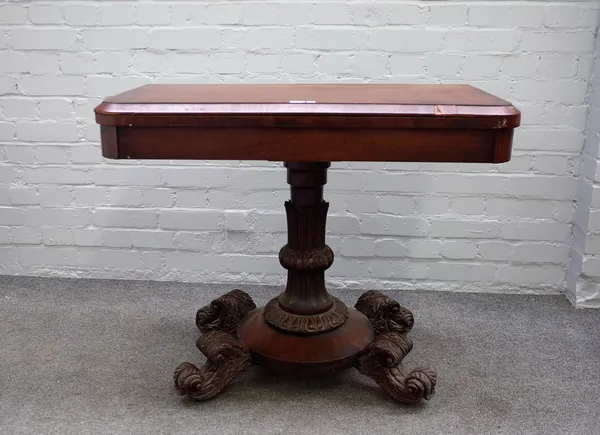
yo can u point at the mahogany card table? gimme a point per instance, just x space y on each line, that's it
305 330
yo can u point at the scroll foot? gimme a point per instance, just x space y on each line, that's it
226 356
382 359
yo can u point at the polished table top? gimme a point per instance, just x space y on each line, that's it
308 122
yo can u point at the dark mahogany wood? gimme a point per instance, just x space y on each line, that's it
305 330
362 122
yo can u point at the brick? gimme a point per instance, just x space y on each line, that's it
95 63
152 14
532 274
369 64
116 14
13 14
261 14
223 13
110 258
299 63
126 176
270 222
227 63
258 38
362 203
110 217
19 108
570 16
52 85
53 108
48 257
90 195
24 196
390 248
552 164
57 236
152 62
196 198
475 184
8 85
542 187
43 39
503 40
496 251
399 205
124 197
82 15
591 266
8 174
45 14
13 62
541 253
104 85
549 140
334 39
558 41
358 247
197 177
481 66
394 226
187 14
501 16
542 231
403 14
407 64
12 216
439 64
85 154
56 176
346 180
26 235
462 272
158 198
334 63
520 65
508 207
191 219
199 241
47 131
51 154
118 39
557 65
7 131
464 229
331 13
459 250
21 154
201 262
153 239
404 40
44 63
343 224
117 239
53 196
87 237
398 182
447 15
468 206
56 217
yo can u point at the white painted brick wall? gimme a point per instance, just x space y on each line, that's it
66 211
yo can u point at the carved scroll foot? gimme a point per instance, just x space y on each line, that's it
226 357
382 359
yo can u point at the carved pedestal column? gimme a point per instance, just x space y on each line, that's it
305 330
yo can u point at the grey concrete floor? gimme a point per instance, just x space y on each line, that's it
96 357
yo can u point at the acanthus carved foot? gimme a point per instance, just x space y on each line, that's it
382 359
385 314
226 357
